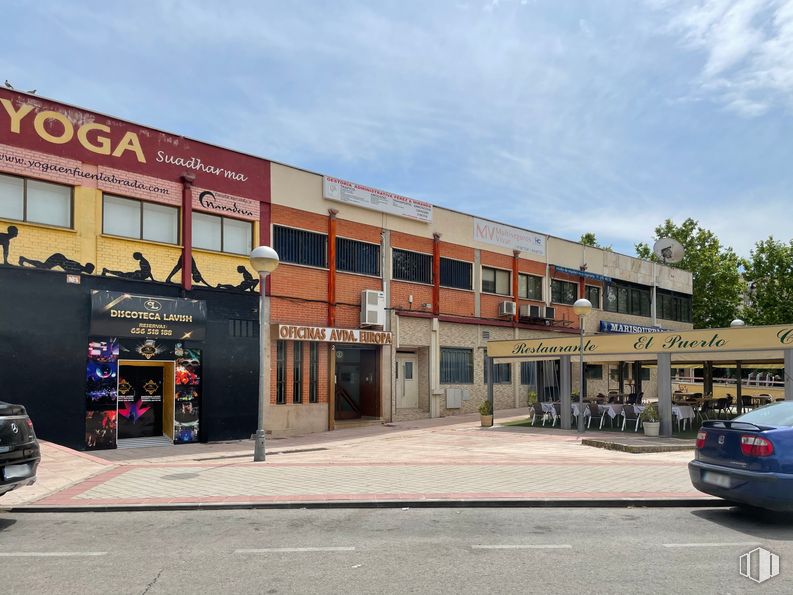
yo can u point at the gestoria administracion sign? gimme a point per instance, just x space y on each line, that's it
377 200
290 332
721 340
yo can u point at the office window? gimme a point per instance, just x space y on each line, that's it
627 298
35 202
528 373
502 373
592 293
673 306
357 257
412 266
222 234
594 371
297 373
564 292
313 372
280 375
457 366
456 273
298 246
495 281
530 287
131 218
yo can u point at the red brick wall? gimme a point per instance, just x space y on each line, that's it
289 217
457 252
422 294
358 231
405 241
457 302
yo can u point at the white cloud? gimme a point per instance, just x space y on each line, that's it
748 50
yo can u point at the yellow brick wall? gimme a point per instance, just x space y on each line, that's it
85 243
115 254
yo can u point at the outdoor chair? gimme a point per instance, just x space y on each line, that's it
595 412
629 414
705 409
536 410
557 407
746 402
639 398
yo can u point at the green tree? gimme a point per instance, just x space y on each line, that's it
589 239
769 273
718 287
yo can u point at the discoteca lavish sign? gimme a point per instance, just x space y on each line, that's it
115 314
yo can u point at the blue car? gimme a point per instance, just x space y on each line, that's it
748 460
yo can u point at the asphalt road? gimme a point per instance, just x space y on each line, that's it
634 550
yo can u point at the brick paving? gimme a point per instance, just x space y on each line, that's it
447 459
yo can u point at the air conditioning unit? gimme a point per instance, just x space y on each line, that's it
507 309
530 311
550 313
372 308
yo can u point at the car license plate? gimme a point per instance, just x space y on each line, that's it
716 479
16 471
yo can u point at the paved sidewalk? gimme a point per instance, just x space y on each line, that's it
449 459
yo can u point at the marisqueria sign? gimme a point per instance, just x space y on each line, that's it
755 338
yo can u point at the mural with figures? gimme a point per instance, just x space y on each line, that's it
137 267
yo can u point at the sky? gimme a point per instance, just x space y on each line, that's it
563 117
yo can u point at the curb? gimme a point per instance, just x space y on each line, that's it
373 504
636 448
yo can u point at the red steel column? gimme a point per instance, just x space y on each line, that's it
515 286
265 214
187 231
332 267
436 274
265 211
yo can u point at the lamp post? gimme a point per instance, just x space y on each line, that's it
264 261
582 308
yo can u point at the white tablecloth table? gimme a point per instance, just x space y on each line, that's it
611 409
684 413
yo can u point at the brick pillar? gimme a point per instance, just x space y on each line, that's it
436 274
187 231
332 267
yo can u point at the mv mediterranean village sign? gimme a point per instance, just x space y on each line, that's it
721 340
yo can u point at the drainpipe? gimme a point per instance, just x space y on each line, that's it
332 267
436 274
515 254
187 231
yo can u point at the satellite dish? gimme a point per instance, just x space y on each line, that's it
669 250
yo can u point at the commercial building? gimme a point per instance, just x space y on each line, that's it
380 309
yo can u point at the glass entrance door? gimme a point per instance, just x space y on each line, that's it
140 401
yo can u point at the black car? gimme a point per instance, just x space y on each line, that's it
19 449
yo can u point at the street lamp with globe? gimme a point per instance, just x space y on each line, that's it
264 261
582 308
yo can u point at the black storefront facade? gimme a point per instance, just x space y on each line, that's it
159 361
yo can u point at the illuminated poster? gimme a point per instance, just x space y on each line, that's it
101 378
188 395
